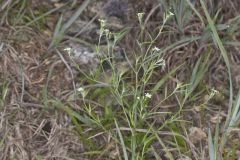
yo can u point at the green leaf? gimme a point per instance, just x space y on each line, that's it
121 141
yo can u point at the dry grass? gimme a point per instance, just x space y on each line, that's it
33 77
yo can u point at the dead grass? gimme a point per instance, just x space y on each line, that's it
32 126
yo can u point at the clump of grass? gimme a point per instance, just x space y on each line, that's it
122 108
233 116
115 112
61 29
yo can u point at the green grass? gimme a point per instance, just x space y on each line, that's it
61 29
131 91
118 111
233 110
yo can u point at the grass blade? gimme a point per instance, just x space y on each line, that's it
59 31
44 15
196 12
198 72
57 34
122 141
224 55
75 15
235 117
163 80
211 149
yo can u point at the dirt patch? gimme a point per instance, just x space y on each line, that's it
42 87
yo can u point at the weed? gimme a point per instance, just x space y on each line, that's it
138 106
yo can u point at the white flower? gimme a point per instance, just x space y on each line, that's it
168 15
68 50
102 23
107 30
179 85
213 93
147 95
156 49
138 98
171 14
102 20
80 89
140 16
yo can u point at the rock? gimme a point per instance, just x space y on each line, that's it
83 56
114 12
